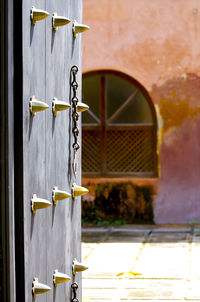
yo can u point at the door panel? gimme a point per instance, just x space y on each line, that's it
51 236
34 81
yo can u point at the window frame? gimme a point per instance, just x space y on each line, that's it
104 127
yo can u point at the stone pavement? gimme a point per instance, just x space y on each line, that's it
141 263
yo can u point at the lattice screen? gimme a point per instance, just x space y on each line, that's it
127 151
91 151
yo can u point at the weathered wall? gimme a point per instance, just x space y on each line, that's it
157 43
118 201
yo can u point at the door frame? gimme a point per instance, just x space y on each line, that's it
7 149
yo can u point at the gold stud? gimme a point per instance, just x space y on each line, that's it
59 195
59 21
38 203
82 107
60 278
78 190
79 28
37 15
37 106
78 267
39 288
59 106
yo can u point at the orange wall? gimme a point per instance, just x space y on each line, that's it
157 43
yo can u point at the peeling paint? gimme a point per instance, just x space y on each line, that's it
160 124
174 113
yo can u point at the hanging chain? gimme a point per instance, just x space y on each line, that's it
74 287
75 117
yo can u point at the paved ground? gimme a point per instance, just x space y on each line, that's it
138 263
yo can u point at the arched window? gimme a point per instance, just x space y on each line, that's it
119 129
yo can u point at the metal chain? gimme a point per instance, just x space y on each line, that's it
75 116
74 287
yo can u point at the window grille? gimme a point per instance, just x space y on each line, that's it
119 130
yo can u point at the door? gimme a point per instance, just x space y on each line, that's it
49 238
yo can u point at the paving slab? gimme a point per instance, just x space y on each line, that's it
135 288
194 289
196 230
126 236
87 249
196 237
172 230
91 299
132 229
166 259
95 229
109 259
162 261
169 237
94 237
195 262
127 294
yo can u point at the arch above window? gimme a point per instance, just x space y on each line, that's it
119 129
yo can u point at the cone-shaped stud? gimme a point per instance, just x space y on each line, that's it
82 107
60 278
59 195
37 106
78 267
59 21
37 15
39 288
78 190
79 28
59 106
39 203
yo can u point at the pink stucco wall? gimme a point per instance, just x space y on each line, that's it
157 43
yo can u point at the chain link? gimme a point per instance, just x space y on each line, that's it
75 114
74 287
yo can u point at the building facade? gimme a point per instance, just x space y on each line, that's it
156 45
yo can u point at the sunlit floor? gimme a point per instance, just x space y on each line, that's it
140 263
